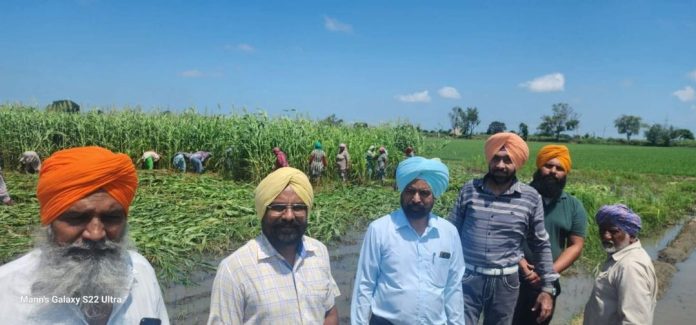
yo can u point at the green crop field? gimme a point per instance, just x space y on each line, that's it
179 220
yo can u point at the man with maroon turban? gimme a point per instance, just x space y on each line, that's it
495 215
81 271
565 220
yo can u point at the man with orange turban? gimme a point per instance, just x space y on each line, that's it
82 271
281 276
495 215
565 220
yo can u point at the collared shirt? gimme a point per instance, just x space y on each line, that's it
408 278
493 228
256 285
18 306
625 290
563 217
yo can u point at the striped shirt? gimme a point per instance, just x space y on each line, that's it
493 228
255 285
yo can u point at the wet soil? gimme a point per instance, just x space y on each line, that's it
189 304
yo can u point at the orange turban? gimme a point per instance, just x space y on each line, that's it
70 175
514 145
554 151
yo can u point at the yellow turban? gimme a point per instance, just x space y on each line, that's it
271 186
554 151
514 145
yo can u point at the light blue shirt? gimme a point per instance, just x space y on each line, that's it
406 278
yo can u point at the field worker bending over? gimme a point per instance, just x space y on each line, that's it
4 194
317 162
198 158
411 265
565 221
625 290
281 159
148 159
281 276
179 161
81 270
30 162
343 161
495 215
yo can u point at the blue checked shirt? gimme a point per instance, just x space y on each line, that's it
493 228
406 278
255 285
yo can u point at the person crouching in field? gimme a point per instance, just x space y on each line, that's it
281 159
625 290
30 162
565 221
411 264
4 194
82 270
198 158
179 161
281 276
148 159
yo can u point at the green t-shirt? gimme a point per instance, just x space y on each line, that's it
562 218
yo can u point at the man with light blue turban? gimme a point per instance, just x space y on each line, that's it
411 263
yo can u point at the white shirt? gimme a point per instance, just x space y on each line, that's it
18 306
625 291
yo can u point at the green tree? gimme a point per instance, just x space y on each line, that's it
523 131
471 121
496 127
457 117
564 118
63 105
332 120
628 124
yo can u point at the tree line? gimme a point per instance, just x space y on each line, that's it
563 118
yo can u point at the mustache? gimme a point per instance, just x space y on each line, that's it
87 249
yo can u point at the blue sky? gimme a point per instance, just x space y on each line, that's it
372 61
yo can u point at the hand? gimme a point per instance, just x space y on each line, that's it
544 304
533 279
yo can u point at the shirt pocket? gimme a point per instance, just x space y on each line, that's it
317 294
440 271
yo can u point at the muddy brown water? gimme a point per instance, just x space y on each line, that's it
189 304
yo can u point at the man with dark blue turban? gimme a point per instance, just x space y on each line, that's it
625 291
411 263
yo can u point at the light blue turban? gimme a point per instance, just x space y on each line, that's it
433 171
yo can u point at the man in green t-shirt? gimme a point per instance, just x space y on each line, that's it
565 220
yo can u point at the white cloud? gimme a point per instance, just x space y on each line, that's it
685 95
449 92
547 83
193 73
417 97
246 48
334 25
692 75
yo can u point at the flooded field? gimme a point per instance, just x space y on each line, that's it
190 304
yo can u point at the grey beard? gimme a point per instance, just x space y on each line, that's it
96 269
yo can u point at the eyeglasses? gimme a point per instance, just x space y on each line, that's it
297 209
421 193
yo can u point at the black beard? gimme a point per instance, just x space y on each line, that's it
278 235
416 211
548 186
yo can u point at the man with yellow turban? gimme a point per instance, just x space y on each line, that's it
411 264
565 220
82 271
495 215
281 276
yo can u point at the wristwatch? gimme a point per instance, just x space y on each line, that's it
550 290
